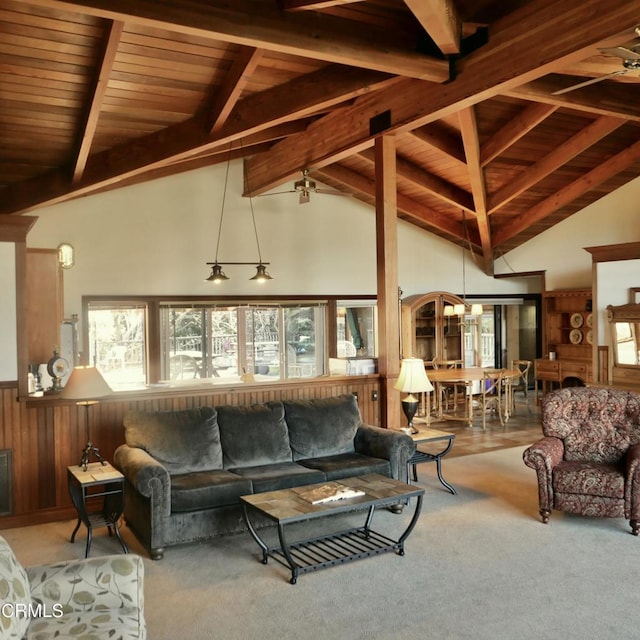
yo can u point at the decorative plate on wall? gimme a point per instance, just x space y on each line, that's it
575 336
576 320
590 321
590 337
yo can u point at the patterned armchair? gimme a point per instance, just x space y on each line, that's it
88 599
588 462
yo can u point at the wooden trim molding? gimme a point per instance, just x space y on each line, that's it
613 252
15 228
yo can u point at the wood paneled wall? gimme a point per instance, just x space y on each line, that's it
47 435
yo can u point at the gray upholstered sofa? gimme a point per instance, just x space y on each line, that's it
95 598
186 470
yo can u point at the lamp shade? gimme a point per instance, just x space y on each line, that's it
85 383
413 377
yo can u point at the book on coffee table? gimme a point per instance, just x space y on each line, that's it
330 492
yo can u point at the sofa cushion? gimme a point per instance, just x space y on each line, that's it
14 590
346 465
322 426
253 435
207 489
589 479
183 441
284 475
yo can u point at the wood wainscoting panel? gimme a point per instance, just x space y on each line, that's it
46 435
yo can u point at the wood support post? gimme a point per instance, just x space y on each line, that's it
387 274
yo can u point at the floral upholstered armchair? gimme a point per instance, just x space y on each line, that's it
588 462
88 599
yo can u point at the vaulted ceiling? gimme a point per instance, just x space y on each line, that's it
495 142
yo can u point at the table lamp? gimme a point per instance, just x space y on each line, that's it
413 379
86 385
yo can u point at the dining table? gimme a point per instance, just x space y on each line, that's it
467 376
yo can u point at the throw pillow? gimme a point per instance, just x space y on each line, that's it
183 441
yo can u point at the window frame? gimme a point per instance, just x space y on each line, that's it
154 304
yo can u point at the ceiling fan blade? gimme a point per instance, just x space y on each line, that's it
588 82
275 193
332 192
621 52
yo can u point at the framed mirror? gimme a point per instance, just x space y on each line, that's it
625 341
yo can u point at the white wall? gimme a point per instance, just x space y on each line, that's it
155 238
613 219
613 280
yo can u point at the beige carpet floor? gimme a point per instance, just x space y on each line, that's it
479 565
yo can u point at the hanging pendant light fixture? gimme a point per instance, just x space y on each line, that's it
217 275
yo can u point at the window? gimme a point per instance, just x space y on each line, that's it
357 330
205 340
117 344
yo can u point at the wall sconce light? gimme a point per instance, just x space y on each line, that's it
66 255
217 275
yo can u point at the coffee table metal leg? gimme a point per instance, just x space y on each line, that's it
411 525
284 547
255 536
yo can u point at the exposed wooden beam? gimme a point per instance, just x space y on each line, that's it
529 118
312 5
114 32
260 24
440 19
604 98
443 140
293 100
411 209
554 160
471 141
568 194
244 64
512 56
438 187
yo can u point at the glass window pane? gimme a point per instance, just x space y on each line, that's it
117 345
198 342
304 336
262 342
357 329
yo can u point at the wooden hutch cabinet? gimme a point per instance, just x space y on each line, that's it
426 332
568 334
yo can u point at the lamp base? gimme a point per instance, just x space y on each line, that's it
87 452
410 407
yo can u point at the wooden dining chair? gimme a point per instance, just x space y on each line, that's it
449 391
521 382
492 393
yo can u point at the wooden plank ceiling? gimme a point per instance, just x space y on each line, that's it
492 149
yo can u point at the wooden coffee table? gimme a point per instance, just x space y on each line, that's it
286 507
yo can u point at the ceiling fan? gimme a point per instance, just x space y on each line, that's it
305 187
630 62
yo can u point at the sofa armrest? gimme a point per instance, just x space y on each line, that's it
543 456
150 478
388 445
105 583
545 453
632 481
